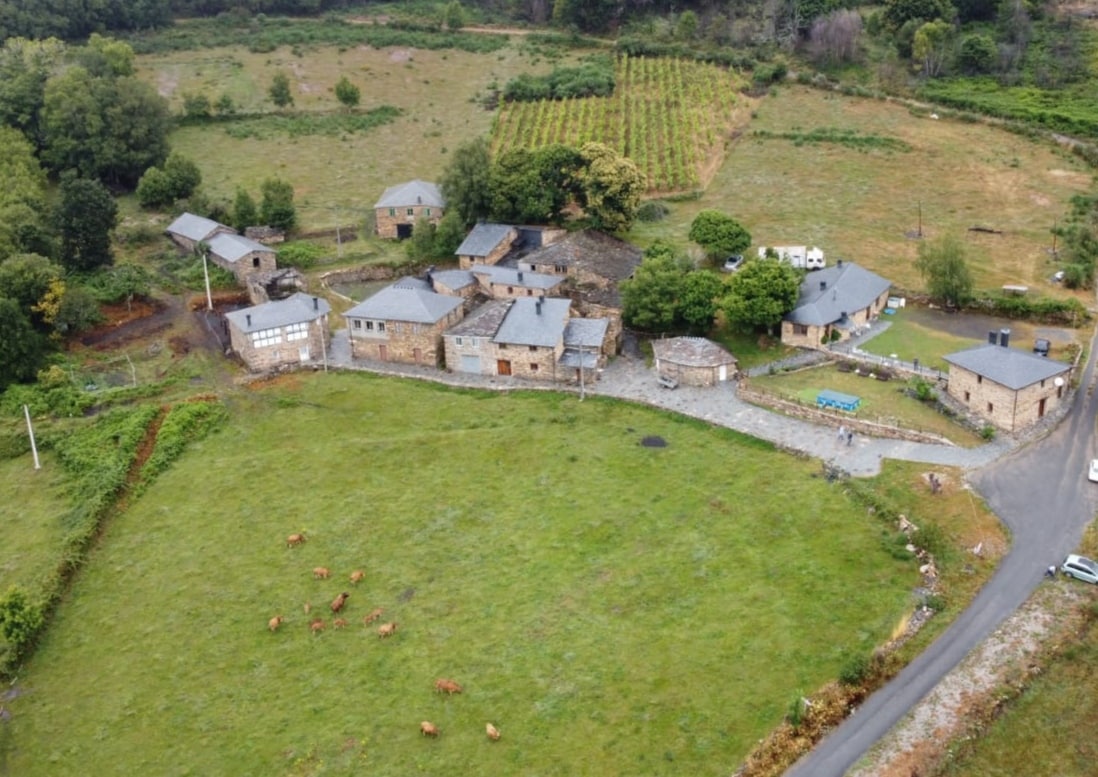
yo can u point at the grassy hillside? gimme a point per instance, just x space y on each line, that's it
613 608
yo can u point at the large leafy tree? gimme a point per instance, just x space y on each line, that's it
25 66
761 293
26 279
465 181
279 90
650 299
932 45
944 268
534 186
698 299
85 218
277 206
898 12
347 93
719 235
612 186
22 195
245 212
21 348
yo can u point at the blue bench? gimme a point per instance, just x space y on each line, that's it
837 399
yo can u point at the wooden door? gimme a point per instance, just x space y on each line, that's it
383 352
503 367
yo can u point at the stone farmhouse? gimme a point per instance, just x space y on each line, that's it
834 303
534 338
402 205
285 333
403 322
506 282
241 256
693 361
486 244
1010 388
189 230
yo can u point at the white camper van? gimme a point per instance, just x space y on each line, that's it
808 257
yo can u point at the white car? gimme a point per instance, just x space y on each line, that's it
1081 568
1092 473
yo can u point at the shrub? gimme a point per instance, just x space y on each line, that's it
653 210
923 389
301 255
987 432
19 622
185 423
855 669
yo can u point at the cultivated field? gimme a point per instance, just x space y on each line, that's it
611 607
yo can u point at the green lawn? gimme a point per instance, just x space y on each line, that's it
612 608
35 503
910 340
882 401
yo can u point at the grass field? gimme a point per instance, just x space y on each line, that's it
613 608
882 401
35 503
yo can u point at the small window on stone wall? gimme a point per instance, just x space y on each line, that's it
533 368
979 379
990 408
967 396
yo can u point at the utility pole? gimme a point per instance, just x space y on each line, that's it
30 431
582 387
206 275
920 232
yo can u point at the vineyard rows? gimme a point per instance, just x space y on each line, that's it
670 116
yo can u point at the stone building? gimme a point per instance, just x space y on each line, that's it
402 205
403 322
189 230
693 361
834 303
241 256
507 282
485 244
1010 388
286 333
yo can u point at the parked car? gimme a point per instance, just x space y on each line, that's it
733 263
1092 473
1041 346
1081 568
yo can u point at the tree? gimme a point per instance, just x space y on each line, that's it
835 37
448 236
22 194
26 278
944 269
650 298
612 186
20 621
897 12
245 213
465 181
421 245
687 26
85 218
588 15
454 15
279 90
533 186
700 293
719 235
277 206
78 311
25 66
154 190
347 93
183 174
760 294
21 348
196 106
978 54
932 45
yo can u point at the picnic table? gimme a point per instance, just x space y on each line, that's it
828 398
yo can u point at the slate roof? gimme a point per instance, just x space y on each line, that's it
692 352
483 239
585 332
596 252
1009 367
233 248
482 322
453 279
511 276
411 193
524 325
827 294
294 309
394 303
193 227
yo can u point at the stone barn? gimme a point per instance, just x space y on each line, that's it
402 205
285 333
189 230
693 361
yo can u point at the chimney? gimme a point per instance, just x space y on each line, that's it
993 337
1004 337
823 285
248 318
316 304
520 276
419 200
840 262
537 306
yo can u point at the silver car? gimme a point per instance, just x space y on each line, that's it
1081 568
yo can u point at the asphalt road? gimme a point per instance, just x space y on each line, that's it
1041 493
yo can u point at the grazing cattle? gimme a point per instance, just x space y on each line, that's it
373 616
295 539
493 732
386 630
339 623
449 687
358 576
275 622
317 626
428 729
321 573
339 601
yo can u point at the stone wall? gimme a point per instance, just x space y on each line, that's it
1005 408
387 224
403 341
531 362
281 355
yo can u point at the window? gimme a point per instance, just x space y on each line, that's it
381 326
533 367
392 211
510 289
967 396
457 341
266 337
369 326
426 211
411 211
357 324
255 261
560 269
1042 384
532 348
529 292
990 408
474 342
297 332
800 329
979 379
503 346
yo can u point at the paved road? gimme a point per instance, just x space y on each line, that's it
1042 495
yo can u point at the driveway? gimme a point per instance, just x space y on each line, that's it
1042 494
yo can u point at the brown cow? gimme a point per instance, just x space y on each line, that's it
493 732
449 687
339 601
428 729
321 573
295 539
275 622
358 576
386 630
373 616
317 626
339 623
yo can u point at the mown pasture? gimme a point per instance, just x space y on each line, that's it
611 607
